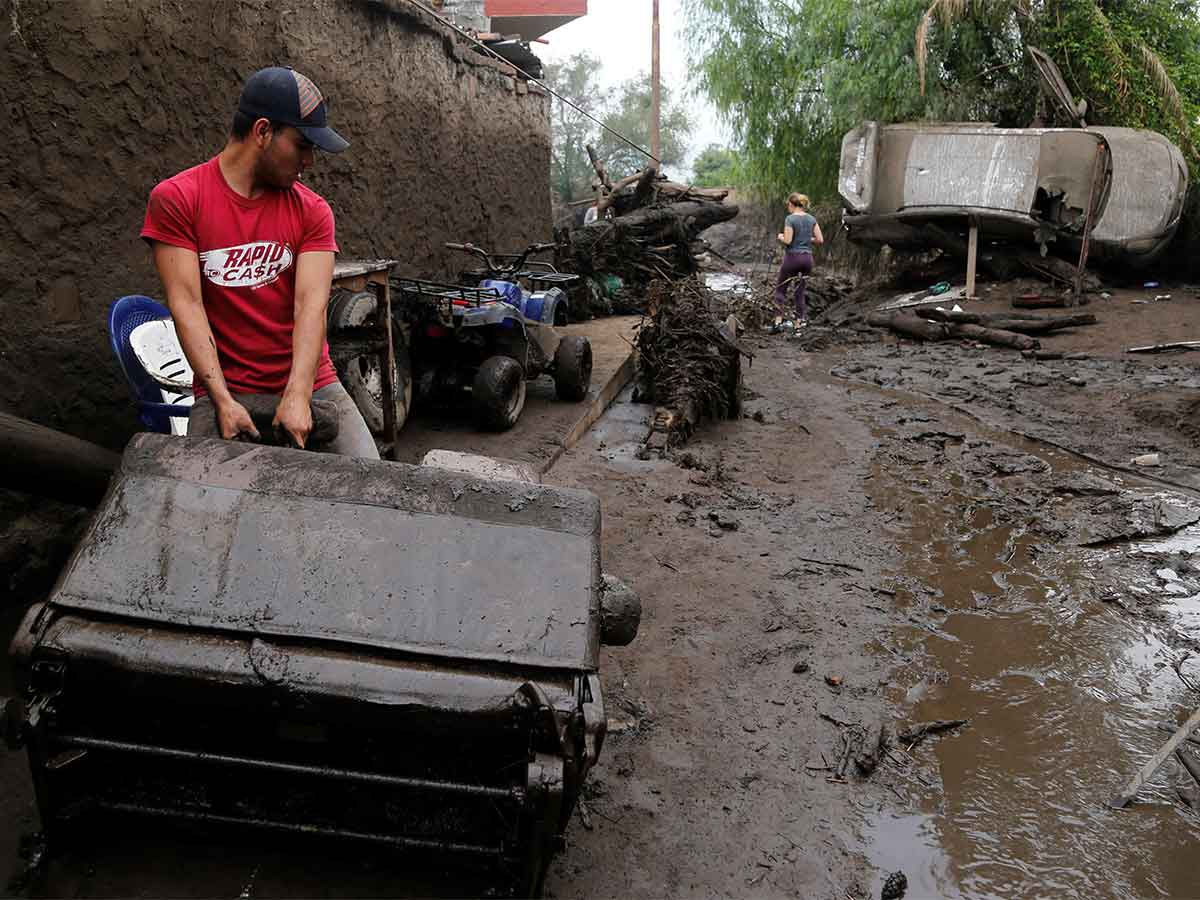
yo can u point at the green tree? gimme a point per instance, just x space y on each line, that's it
792 76
577 78
629 115
716 166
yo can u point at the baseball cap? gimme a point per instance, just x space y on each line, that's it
283 95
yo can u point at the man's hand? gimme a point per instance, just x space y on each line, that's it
294 415
234 421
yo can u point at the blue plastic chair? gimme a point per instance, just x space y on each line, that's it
124 316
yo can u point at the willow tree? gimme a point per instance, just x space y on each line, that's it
792 76
1135 62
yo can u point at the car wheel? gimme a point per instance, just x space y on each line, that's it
498 393
573 368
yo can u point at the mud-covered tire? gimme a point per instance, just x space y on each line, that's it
498 393
363 376
573 368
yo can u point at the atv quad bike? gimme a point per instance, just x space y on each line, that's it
492 336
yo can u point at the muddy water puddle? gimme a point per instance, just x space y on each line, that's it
1044 646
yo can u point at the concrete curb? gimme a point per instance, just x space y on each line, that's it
603 399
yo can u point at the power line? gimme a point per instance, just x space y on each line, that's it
541 84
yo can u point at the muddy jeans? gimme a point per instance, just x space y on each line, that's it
796 264
353 437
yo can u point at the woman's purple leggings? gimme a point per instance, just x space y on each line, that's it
796 264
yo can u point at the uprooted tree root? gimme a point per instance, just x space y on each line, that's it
689 363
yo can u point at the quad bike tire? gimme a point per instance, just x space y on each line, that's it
498 393
573 368
363 375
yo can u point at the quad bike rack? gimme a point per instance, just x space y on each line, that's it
444 298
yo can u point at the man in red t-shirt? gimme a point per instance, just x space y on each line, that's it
245 253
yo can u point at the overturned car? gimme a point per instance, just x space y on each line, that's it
1016 184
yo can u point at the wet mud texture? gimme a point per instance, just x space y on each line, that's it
117 96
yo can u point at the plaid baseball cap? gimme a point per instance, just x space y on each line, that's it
283 95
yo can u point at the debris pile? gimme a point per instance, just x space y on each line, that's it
755 307
689 364
647 228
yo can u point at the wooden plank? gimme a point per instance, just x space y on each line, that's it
349 268
604 398
1121 800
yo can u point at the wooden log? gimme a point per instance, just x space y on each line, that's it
673 189
615 194
1043 326
645 181
1121 800
908 325
599 167
49 463
995 336
658 223
1023 324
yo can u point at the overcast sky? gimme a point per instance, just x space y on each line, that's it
618 33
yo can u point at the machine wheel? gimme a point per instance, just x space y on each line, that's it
573 368
498 393
363 376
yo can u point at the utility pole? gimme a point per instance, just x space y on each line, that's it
655 92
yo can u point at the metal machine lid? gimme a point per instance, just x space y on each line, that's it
256 540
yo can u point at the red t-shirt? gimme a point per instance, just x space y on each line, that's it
248 251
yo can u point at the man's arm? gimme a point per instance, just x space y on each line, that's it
179 270
314 273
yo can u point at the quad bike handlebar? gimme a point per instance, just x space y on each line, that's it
501 265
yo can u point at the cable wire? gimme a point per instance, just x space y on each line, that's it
541 84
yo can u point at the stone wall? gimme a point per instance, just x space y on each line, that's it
107 97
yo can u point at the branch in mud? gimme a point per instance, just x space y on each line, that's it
914 734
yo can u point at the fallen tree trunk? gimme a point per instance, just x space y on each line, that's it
995 336
601 174
909 325
1024 324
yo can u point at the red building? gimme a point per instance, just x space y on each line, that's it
532 18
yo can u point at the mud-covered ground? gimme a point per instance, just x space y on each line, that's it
893 533
897 529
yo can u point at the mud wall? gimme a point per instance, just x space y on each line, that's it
110 96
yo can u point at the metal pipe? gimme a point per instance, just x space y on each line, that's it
515 794
297 828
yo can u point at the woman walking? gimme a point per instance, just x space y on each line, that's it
800 234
